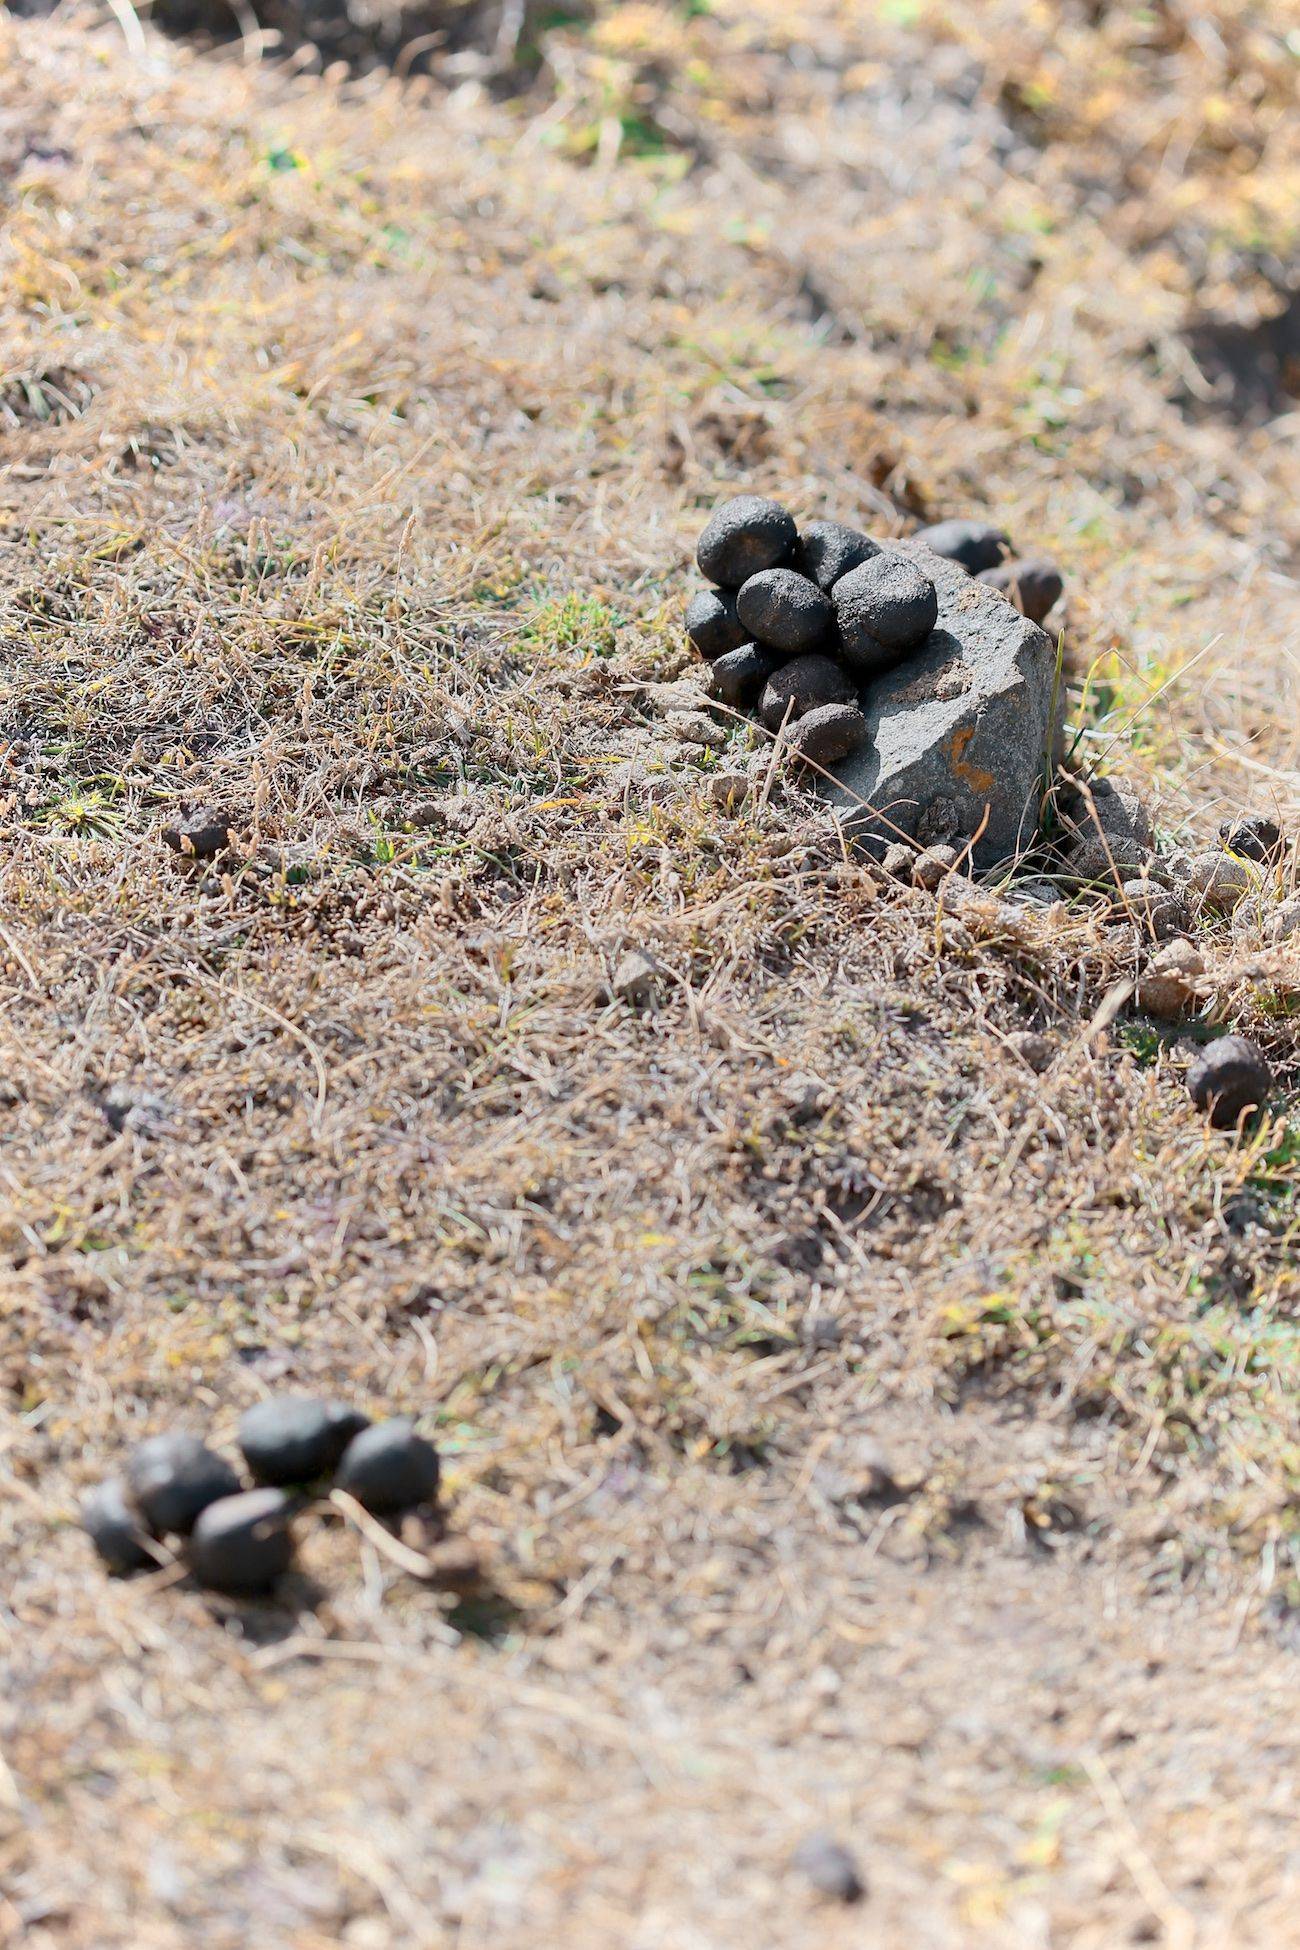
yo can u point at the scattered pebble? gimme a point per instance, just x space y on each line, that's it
738 676
201 835
801 686
784 611
1229 1078
897 861
712 623
388 1468
1219 881
172 1478
1283 922
1253 837
1033 1050
830 1868
241 1544
828 550
932 867
975 544
743 537
695 728
1169 986
884 608
638 979
111 1525
295 1438
1159 911
825 735
1034 585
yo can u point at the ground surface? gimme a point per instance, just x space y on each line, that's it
354 443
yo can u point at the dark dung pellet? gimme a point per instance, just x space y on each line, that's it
114 1530
828 550
1253 836
827 734
296 1438
389 1468
1033 584
784 611
742 537
712 623
738 678
1229 1078
172 1478
242 1544
801 686
887 604
977 545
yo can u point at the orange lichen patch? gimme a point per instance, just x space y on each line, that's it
974 776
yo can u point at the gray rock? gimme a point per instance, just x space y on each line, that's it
801 686
295 1438
737 678
111 1526
830 1868
712 623
242 1544
1108 830
784 611
201 835
637 980
743 536
975 544
171 1478
932 866
884 608
1157 910
1220 881
1229 1079
828 550
389 1468
1033 584
957 736
826 735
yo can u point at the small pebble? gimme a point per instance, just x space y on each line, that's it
1033 1050
111 1527
742 537
738 677
897 861
884 609
828 550
389 1468
932 867
638 979
827 734
1228 1079
1169 986
1034 585
830 1868
295 1438
975 544
1283 922
695 728
1159 911
201 835
1253 837
784 611
801 686
172 1478
1219 881
242 1544
712 623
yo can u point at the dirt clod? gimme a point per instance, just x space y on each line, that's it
295 1438
113 1529
801 686
712 623
784 611
887 605
831 1869
827 734
977 545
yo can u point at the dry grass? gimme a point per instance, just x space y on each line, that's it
355 439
